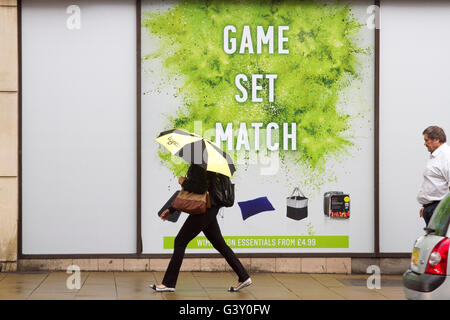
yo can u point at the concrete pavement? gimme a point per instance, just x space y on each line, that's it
196 286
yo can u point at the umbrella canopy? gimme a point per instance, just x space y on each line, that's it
195 149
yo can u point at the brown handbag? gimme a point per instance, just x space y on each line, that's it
191 203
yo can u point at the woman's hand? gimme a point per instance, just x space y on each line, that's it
165 215
181 180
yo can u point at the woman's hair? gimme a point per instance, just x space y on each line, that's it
435 132
196 180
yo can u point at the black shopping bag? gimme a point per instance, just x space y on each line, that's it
173 217
297 205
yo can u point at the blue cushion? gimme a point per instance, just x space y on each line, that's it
251 207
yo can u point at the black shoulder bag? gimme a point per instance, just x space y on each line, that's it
222 190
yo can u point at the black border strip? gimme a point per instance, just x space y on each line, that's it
217 255
377 136
19 52
138 130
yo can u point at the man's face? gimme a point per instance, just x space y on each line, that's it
431 144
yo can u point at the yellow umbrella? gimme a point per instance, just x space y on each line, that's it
195 149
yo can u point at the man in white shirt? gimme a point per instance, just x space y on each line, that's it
436 182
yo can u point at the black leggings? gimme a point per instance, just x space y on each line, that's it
193 225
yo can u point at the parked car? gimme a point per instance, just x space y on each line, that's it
429 275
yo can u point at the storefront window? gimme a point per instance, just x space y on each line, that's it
78 127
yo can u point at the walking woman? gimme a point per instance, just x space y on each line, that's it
197 181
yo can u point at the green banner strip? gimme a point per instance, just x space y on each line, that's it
267 242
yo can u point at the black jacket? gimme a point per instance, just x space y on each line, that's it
196 180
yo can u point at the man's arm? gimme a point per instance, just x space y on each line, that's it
446 171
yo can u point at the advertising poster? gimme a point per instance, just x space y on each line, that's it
286 89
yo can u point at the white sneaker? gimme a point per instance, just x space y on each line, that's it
165 289
244 284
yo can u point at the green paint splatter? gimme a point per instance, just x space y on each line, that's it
311 231
177 166
323 60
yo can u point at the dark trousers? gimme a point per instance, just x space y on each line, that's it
428 211
193 225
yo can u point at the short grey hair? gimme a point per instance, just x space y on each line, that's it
435 132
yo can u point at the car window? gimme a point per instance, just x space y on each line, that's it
441 217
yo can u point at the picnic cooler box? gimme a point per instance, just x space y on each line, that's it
336 204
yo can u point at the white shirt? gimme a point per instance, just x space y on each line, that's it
436 176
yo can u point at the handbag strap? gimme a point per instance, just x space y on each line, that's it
298 192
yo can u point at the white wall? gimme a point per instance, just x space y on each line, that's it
79 128
414 93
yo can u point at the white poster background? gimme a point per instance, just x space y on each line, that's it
354 174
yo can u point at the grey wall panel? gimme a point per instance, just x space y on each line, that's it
414 80
79 127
